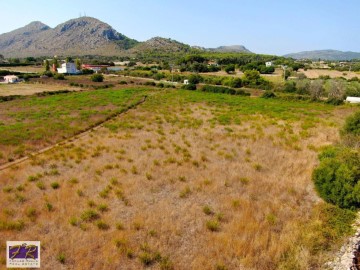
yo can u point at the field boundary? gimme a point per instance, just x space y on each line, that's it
79 135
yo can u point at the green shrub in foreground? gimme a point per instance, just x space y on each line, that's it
352 124
337 178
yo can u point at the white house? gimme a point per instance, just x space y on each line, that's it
11 79
68 68
269 64
186 81
353 99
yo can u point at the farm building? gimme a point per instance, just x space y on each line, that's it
11 79
95 68
68 68
353 99
269 64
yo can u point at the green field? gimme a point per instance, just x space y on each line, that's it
30 123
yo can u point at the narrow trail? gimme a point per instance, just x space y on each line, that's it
75 137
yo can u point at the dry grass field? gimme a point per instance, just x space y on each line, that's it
25 69
30 89
315 73
187 180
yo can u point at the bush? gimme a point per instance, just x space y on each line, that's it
55 185
334 101
213 225
268 94
150 83
230 68
232 82
59 76
97 78
225 90
87 71
195 79
189 86
48 73
352 125
61 258
337 178
89 215
122 82
290 87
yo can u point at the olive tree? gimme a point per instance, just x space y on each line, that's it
316 89
336 90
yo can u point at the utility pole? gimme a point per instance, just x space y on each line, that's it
172 73
284 68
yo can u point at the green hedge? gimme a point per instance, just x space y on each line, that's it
225 90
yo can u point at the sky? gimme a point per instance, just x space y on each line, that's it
262 26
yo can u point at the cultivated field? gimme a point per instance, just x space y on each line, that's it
186 180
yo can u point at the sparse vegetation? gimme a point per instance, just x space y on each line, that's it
201 169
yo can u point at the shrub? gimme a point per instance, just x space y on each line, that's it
87 71
195 79
352 125
41 185
59 76
31 213
102 225
268 94
89 215
337 178
97 77
213 225
225 90
48 73
150 83
189 86
73 221
207 210
12 225
290 87
147 258
122 82
55 185
61 258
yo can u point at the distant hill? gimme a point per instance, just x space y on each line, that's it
231 48
80 36
325 55
159 44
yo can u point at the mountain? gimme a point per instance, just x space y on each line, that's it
325 55
231 48
159 44
82 36
88 36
